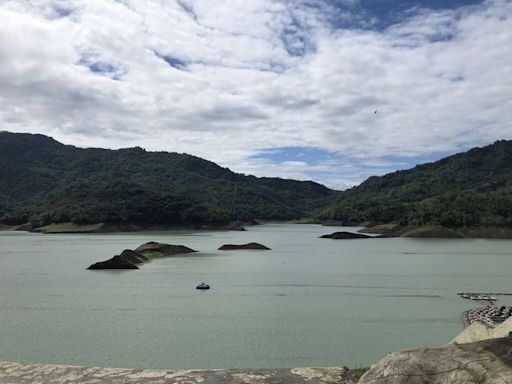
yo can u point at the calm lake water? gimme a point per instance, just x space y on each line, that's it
308 302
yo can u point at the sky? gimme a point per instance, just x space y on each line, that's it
329 90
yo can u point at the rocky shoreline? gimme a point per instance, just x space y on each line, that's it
73 228
438 231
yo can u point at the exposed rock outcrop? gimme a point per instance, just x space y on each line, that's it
129 259
486 362
133 256
17 373
117 262
255 246
479 331
379 229
345 236
427 231
154 249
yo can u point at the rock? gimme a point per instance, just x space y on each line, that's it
485 362
133 256
345 235
128 258
426 231
255 246
117 262
379 229
479 331
17 373
434 232
154 249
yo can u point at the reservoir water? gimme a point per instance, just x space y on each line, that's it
307 302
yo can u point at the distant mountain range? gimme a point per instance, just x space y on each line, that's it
43 182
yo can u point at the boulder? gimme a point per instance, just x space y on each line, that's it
255 246
345 236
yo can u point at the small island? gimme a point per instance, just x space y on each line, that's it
130 259
254 246
345 236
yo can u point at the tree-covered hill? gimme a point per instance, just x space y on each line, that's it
43 181
467 189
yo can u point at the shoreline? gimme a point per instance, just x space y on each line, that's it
379 231
439 232
98 228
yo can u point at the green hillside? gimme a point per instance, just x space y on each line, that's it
44 181
467 189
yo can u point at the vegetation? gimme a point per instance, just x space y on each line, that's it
44 182
468 189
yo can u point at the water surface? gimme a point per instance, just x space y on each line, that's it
308 302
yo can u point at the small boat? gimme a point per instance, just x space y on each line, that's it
203 285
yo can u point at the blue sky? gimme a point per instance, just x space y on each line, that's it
329 90
392 11
380 14
324 165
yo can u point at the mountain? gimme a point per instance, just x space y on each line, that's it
43 181
464 190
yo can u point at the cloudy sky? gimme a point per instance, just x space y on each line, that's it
329 90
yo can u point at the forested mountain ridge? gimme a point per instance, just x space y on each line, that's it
473 188
44 181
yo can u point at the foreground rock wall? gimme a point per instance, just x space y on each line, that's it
485 362
15 373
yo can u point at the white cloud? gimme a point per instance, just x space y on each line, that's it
256 75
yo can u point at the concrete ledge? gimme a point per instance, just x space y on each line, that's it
16 373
